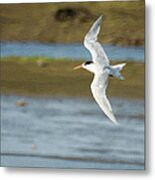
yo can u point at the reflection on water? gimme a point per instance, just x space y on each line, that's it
71 133
71 51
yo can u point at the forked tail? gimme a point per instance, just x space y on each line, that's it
115 70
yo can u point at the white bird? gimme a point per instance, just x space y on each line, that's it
101 69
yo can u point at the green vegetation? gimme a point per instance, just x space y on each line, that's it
123 22
28 76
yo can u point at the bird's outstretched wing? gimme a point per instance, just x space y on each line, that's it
98 88
95 48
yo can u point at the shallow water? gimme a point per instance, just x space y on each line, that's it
71 133
71 51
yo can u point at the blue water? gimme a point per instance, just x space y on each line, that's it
71 51
71 133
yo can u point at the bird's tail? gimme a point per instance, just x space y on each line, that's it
115 70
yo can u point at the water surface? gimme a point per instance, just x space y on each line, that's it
71 133
70 51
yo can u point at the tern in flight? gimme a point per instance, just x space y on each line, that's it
101 69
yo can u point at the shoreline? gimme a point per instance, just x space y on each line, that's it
56 78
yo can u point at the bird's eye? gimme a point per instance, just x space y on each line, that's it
88 62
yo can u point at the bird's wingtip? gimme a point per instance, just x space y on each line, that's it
98 21
113 119
100 17
116 123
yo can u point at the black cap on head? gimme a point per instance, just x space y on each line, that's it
88 62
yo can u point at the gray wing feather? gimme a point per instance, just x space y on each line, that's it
95 48
98 88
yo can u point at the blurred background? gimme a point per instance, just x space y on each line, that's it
123 22
49 118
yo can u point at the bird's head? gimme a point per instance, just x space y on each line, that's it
88 65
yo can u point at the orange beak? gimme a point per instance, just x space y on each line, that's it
78 67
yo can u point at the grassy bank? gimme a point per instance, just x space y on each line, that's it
123 22
30 76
